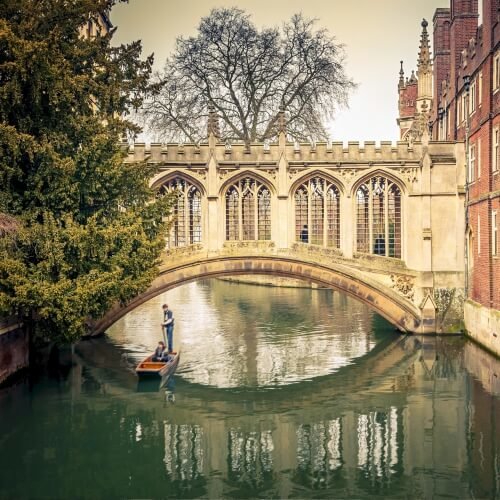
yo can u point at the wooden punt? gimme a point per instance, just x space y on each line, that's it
150 368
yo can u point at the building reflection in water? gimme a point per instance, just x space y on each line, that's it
319 448
378 450
183 451
403 417
250 456
442 440
420 417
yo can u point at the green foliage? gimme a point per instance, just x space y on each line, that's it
90 229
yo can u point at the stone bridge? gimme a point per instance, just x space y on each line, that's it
383 224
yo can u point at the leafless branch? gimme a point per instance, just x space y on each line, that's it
248 75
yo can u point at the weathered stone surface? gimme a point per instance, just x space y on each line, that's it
14 348
483 325
346 277
432 222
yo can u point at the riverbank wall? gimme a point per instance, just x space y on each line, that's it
264 280
14 348
483 325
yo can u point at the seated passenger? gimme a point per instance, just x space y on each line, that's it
165 357
160 352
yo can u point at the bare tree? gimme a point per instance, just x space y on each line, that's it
247 76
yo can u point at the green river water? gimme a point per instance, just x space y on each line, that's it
280 393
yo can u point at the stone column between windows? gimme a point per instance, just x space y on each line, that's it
214 236
426 228
281 235
347 225
215 233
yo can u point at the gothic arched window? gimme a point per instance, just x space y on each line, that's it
248 211
317 213
186 212
378 214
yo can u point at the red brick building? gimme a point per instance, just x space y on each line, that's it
407 104
465 107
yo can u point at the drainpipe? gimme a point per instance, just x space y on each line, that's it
467 181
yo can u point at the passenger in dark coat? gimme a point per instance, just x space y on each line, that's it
304 234
379 245
159 352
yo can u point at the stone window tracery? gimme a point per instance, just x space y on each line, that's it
317 213
186 213
378 217
248 211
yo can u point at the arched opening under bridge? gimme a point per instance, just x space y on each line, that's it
398 311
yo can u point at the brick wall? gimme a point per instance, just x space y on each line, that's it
441 43
407 101
469 51
14 350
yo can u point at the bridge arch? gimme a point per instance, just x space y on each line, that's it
393 307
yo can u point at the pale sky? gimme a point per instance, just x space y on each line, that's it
377 34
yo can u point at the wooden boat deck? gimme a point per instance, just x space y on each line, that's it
148 367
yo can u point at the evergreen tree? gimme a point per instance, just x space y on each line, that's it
89 230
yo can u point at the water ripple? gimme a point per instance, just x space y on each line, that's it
234 335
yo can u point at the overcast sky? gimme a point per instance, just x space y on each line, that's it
377 34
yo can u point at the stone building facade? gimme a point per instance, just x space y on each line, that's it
384 216
98 26
465 108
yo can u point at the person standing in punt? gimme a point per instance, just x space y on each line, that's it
168 324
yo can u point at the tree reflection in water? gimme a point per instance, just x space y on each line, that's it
410 417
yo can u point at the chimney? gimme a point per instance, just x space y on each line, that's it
464 16
441 45
490 18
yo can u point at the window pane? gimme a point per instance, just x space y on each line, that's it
248 206
248 215
194 216
383 213
301 229
317 215
378 230
232 215
179 222
333 217
323 202
186 213
363 231
394 211
264 214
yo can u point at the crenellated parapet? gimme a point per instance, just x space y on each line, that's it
324 152
283 165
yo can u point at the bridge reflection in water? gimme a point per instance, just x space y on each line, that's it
409 417
419 418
